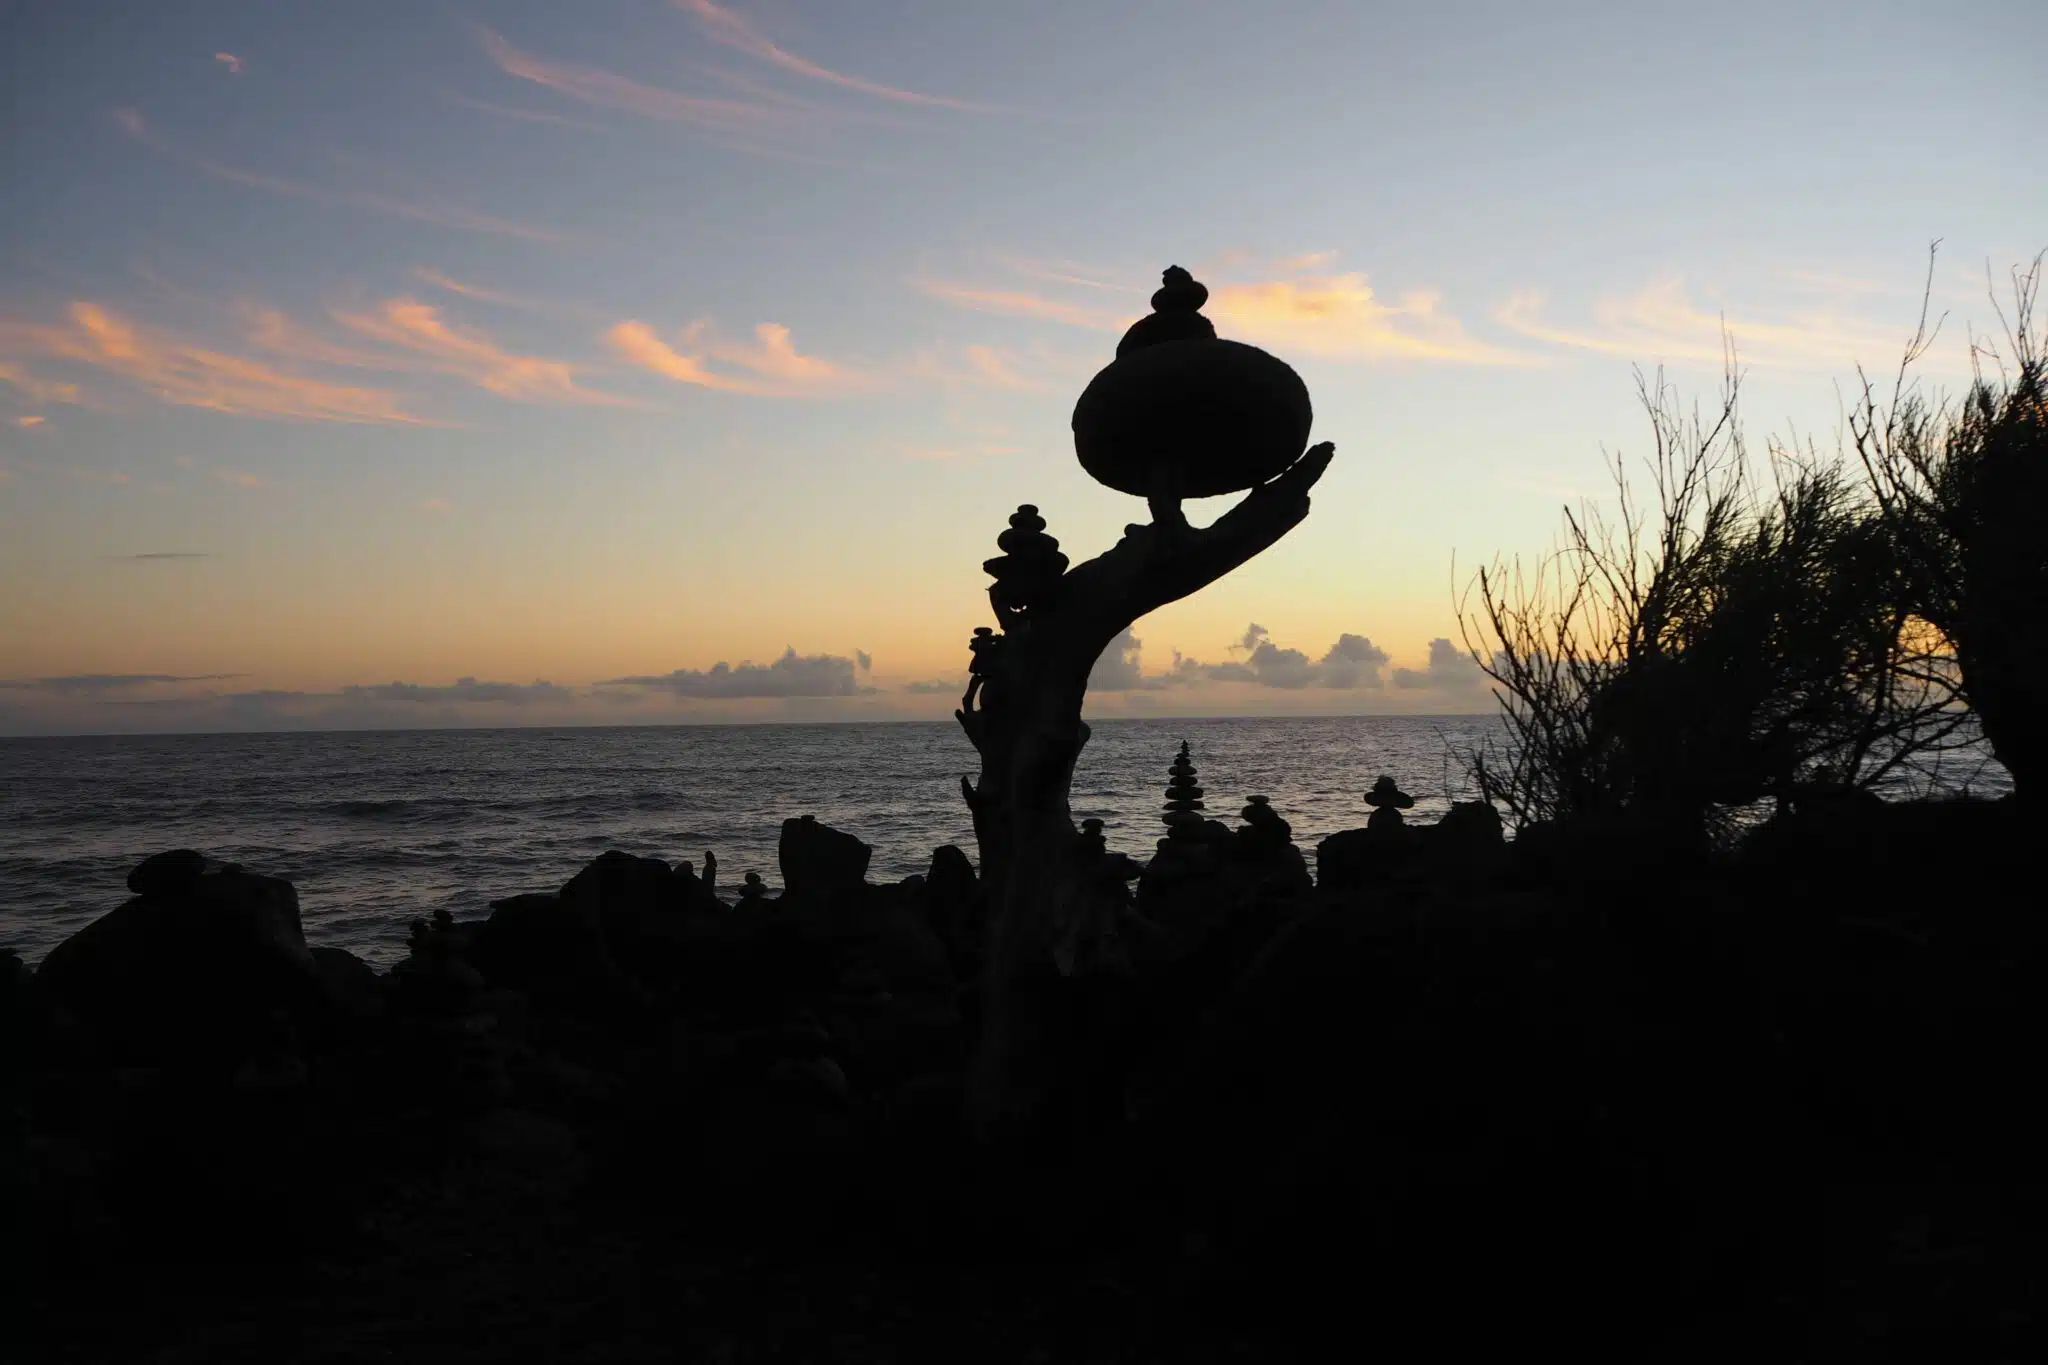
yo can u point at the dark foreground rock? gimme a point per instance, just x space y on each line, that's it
1770 1105
208 968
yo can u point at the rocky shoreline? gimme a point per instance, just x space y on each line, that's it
1584 1085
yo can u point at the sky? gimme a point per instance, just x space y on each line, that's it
514 362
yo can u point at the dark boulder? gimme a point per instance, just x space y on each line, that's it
1181 885
530 943
191 973
817 859
879 931
352 984
656 924
1355 859
1467 842
1344 861
621 933
951 885
953 906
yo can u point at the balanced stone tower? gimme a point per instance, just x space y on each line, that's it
1184 806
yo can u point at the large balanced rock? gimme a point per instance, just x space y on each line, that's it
1181 414
820 860
195 969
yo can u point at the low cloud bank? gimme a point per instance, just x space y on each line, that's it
1258 675
792 675
794 686
1353 663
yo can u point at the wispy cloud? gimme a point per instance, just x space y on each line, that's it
724 26
1336 316
36 387
90 683
524 115
436 505
502 298
30 420
160 555
1342 317
177 370
1660 323
442 215
471 353
275 332
609 90
77 473
996 369
230 61
642 345
1017 303
238 478
773 365
966 450
773 355
1066 272
1035 367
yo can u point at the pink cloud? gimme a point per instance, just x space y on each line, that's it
775 368
1660 322
728 28
609 90
472 354
443 215
180 371
1017 303
40 389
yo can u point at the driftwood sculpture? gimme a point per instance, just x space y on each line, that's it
1179 413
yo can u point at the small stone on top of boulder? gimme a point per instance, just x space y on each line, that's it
1386 793
173 873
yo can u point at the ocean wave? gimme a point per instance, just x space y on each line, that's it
401 810
377 829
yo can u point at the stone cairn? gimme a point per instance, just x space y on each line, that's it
1184 807
1028 570
1387 801
1264 823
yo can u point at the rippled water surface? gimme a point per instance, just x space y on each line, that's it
375 829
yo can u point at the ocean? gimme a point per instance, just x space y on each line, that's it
376 829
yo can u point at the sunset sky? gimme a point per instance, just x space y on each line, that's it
514 362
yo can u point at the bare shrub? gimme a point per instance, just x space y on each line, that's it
1963 488
1715 642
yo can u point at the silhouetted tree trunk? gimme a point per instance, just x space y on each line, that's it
1022 710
